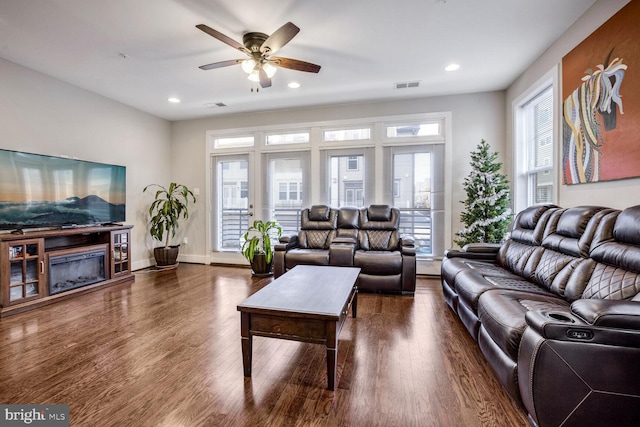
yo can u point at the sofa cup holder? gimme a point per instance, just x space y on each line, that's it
560 317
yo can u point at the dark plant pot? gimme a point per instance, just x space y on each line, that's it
260 266
166 257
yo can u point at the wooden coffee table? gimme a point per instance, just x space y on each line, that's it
307 303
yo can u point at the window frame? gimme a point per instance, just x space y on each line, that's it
315 191
524 182
404 139
284 134
367 166
437 201
325 130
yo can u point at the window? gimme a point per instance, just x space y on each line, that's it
288 138
416 174
231 203
284 188
234 141
342 185
244 189
282 191
352 163
394 160
412 174
346 180
414 130
289 192
293 191
347 134
536 124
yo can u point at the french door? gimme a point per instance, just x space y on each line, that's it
232 197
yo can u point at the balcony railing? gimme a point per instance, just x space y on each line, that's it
417 223
234 223
289 219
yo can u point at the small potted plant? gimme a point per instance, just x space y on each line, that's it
257 246
168 207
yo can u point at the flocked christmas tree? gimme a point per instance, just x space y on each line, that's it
486 216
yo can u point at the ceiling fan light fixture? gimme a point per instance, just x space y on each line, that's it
248 65
269 69
254 76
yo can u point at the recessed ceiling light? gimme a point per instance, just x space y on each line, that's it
452 67
174 100
294 85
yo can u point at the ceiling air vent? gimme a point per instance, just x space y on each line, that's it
215 104
406 85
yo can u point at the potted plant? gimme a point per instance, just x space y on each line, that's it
168 207
257 246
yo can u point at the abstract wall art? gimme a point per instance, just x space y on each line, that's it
601 102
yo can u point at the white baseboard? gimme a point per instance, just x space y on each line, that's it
145 263
193 259
426 267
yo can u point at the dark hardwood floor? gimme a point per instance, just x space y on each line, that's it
165 351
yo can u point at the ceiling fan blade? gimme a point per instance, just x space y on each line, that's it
294 64
265 81
279 38
221 64
224 39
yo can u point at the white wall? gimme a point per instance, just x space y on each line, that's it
616 194
42 115
474 117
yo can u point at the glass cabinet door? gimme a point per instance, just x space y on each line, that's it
120 252
26 270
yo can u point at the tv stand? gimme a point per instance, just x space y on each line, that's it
26 259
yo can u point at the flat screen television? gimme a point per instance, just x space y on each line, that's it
39 191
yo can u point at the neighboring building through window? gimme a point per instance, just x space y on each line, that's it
413 187
284 187
346 181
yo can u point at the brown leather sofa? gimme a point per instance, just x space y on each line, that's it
354 237
556 312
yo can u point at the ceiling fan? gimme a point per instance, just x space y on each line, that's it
258 47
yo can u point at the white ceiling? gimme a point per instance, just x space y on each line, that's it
363 46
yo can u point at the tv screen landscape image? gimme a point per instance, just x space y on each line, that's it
39 191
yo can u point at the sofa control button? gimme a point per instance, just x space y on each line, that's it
580 334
